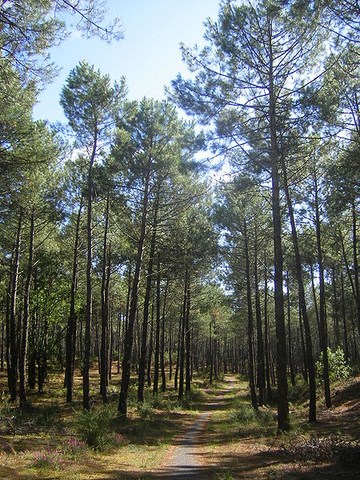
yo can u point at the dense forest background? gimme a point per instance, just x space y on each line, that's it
122 250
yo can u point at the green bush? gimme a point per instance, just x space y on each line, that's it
246 415
338 368
146 410
94 426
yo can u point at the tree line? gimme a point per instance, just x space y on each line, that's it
121 255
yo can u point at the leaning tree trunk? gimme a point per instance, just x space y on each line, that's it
25 320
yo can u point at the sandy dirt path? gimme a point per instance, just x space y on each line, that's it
185 461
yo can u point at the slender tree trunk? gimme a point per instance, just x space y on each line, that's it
26 313
322 312
343 309
104 350
211 354
111 346
151 347
282 385
355 261
88 317
302 303
335 309
128 343
13 344
162 346
145 323
188 342
267 346
157 332
181 344
250 331
259 328
290 347
71 325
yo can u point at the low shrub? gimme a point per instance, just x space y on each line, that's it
94 426
49 458
338 368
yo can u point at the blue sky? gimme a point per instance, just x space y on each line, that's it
148 56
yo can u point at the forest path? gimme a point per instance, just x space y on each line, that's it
185 461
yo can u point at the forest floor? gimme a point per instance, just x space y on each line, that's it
215 436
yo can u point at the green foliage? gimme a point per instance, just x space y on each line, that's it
94 426
145 410
48 459
247 415
338 368
225 476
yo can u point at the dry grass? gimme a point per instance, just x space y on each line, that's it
43 442
38 442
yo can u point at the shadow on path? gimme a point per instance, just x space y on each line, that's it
185 462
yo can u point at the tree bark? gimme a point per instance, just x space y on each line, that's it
145 323
157 332
25 319
259 328
88 317
13 343
128 343
310 365
71 325
322 309
250 331
104 349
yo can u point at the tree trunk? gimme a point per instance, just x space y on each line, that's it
71 325
157 332
267 346
13 344
181 344
343 309
310 365
259 328
290 347
322 312
162 346
355 262
151 347
282 386
187 343
25 320
128 343
104 350
145 323
88 317
250 331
